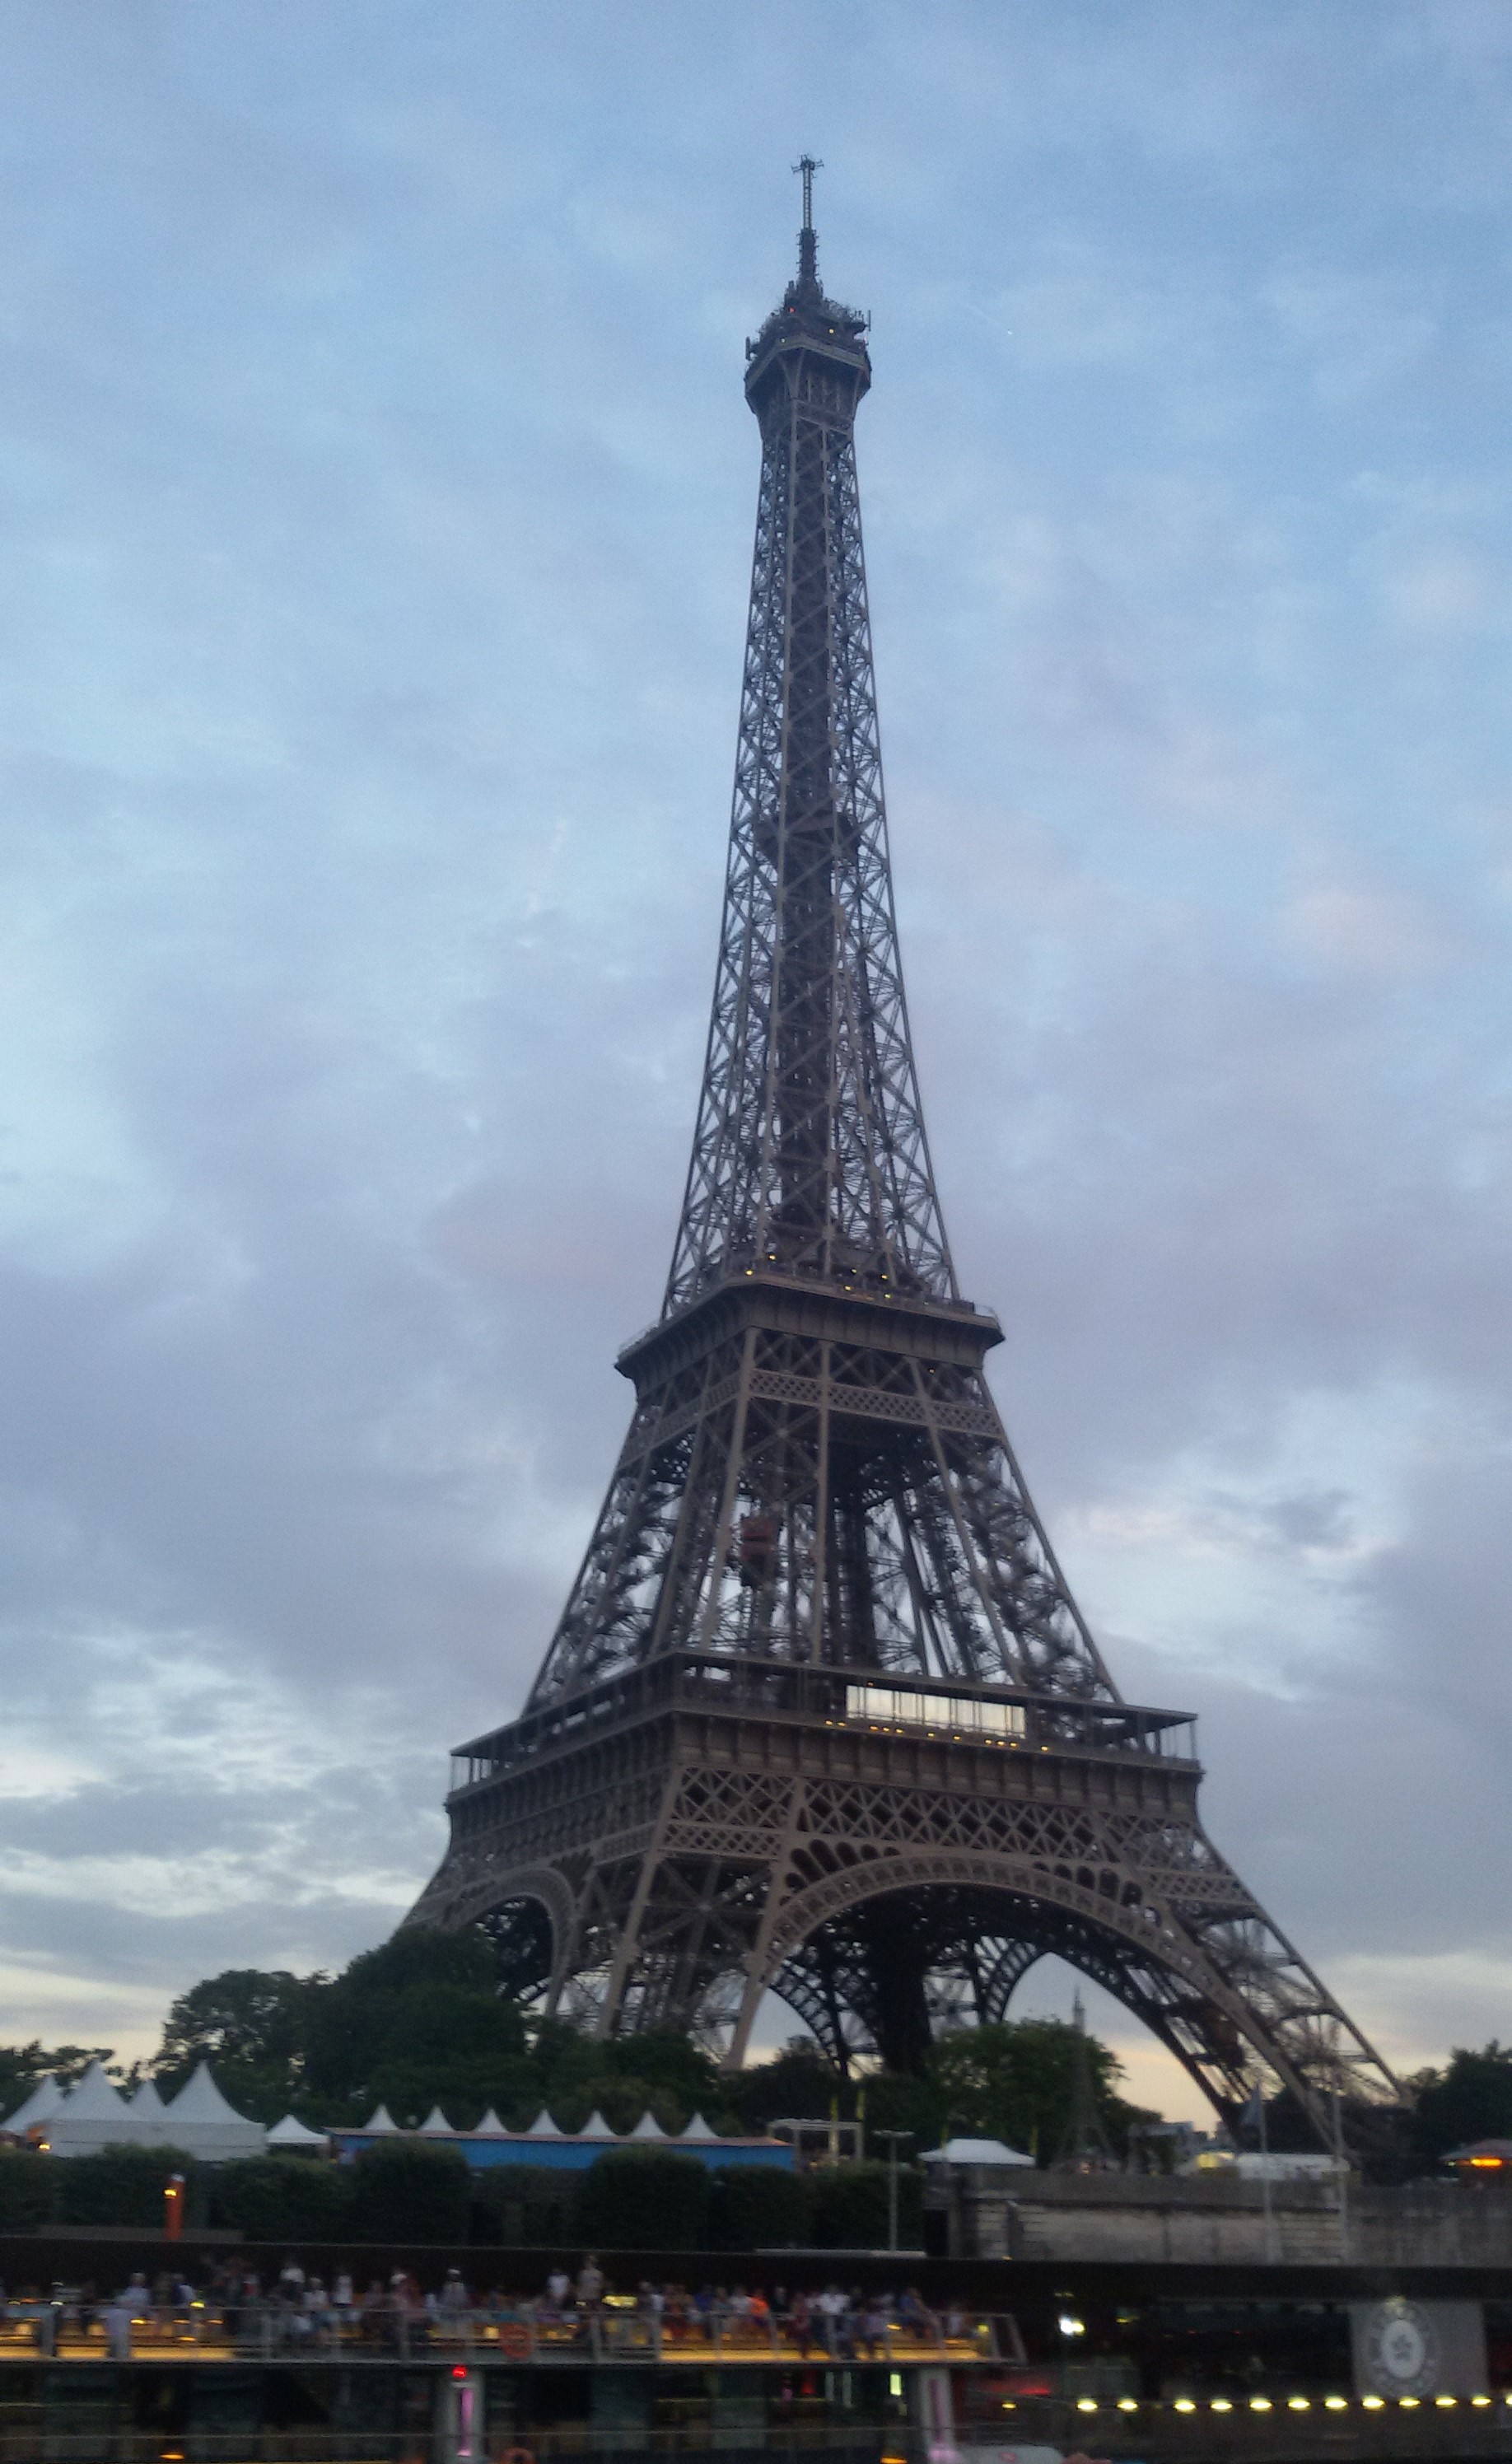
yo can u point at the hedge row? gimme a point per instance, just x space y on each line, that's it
629 2198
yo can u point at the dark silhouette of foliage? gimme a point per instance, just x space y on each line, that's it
755 2207
799 2083
408 2189
850 2205
525 2207
645 2198
123 2185
283 2198
22 2067
1470 2099
251 2025
28 2188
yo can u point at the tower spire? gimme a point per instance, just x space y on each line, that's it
809 236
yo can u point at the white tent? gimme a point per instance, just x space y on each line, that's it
289 2134
200 2120
435 2126
92 2115
698 2128
380 2124
490 2127
647 2127
974 2151
596 2128
543 2127
40 2106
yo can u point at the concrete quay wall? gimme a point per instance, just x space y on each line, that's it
1193 2221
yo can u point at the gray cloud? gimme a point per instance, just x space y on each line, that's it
374 538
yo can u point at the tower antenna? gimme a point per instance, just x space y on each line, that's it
808 237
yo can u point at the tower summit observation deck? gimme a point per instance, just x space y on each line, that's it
821 1716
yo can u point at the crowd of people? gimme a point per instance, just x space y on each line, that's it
298 2308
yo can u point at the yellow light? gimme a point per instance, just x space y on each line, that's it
1086 2403
1129 2404
1184 2404
1222 2404
1336 2403
1479 2402
1372 2402
1259 2404
1408 2403
1295 2403
1444 2401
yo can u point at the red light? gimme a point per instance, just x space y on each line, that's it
457 2370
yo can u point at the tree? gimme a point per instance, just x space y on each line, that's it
799 2083
623 2077
1016 2081
123 2185
409 2190
283 2198
850 2205
757 2207
637 2198
22 2067
525 2207
416 2022
28 2182
1470 2099
252 2024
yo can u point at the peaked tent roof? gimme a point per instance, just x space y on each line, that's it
974 2151
490 2128
435 2126
289 2133
147 2102
698 2128
94 2098
647 2127
40 2106
543 2127
200 2100
596 2128
380 2124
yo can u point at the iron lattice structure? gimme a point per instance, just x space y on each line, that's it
822 1715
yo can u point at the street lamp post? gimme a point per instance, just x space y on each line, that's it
892 2138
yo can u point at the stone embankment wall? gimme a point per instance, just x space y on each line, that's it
1217 2222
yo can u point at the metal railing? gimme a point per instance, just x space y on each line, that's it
527 2332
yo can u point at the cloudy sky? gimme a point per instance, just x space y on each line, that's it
375 520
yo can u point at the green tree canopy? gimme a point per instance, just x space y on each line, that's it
1016 2081
634 2197
1470 2099
410 2190
798 2084
252 2025
22 2067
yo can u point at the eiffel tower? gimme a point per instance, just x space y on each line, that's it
822 1717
